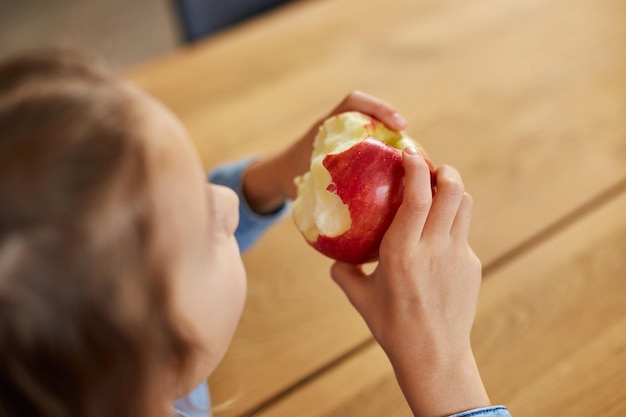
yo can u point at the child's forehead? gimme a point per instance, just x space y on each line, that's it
172 159
160 128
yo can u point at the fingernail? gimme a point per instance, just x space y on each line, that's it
412 150
399 120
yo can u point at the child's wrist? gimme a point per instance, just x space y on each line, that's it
262 188
436 385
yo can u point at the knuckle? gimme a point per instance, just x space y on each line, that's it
449 181
417 204
395 249
475 261
467 205
386 250
352 96
469 200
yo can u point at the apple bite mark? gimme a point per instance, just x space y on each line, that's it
316 210
355 185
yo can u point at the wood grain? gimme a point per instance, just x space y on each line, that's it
550 335
526 97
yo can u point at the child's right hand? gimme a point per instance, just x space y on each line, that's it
420 301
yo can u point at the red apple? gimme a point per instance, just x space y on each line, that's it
349 197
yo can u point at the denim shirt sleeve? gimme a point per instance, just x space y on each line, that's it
251 225
495 411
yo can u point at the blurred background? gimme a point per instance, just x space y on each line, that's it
121 32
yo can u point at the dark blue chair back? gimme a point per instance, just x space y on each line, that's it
200 18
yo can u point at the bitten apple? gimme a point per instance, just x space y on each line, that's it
348 198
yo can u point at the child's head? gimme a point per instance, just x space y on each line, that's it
120 279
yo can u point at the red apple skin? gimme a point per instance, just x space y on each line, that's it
369 179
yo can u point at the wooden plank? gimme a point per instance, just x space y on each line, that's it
549 337
525 97
361 386
501 94
556 315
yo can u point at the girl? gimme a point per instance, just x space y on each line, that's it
121 281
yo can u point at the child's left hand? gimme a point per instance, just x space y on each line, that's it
268 182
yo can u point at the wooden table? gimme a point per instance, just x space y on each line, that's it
527 98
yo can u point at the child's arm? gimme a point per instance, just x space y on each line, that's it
421 299
269 182
264 185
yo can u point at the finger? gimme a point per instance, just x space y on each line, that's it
450 191
406 228
461 225
379 109
352 280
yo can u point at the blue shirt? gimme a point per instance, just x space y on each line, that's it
251 226
495 411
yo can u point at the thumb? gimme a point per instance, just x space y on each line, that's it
352 280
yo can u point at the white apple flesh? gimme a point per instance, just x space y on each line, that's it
354 187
